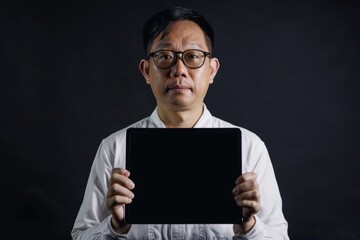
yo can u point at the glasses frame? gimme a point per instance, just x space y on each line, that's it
176 57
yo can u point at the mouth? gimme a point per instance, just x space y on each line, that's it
178 88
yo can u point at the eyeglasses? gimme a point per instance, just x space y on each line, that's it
192 58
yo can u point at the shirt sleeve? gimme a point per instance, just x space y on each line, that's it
94 220
270 221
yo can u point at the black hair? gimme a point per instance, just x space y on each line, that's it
159 22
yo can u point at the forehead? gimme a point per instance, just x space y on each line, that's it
181 34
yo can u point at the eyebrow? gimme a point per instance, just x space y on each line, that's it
165 45
170 45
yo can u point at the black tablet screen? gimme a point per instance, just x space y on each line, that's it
183 175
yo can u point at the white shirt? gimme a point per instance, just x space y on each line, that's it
93 219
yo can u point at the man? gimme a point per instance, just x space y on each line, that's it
179 69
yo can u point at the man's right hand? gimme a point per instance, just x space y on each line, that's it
119 194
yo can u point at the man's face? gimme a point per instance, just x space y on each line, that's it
179 87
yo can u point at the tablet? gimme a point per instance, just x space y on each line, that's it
183 175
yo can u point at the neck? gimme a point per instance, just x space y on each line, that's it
180 118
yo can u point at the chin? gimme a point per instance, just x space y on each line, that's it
180 105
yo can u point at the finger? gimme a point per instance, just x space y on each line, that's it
248 185
250 205
121 171
245 177
117 189
122 180
117 201
247 196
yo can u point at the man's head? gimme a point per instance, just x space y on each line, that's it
159 23
179 66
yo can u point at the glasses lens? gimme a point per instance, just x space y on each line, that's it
164 59
194 58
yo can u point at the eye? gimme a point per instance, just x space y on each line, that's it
193 55
164 56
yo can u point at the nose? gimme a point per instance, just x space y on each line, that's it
179 69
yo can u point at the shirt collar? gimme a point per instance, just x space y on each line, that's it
203 122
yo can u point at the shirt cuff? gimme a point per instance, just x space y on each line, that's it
256 232
112 232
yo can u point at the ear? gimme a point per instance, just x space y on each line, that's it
214 67
144 69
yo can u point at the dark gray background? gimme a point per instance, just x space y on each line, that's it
289 72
